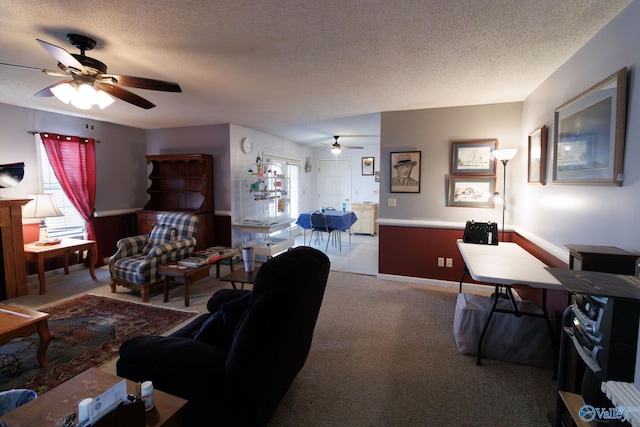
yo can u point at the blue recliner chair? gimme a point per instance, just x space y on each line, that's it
235 363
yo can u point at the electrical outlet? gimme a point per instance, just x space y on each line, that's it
440 261
391 201
450 262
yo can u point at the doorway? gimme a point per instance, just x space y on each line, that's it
334 182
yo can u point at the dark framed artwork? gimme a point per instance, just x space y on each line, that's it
473 157
367 166
471 192
537 173
405 171
589 134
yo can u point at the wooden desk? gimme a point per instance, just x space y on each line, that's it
38 253
507 264
241 276
51 407
19 322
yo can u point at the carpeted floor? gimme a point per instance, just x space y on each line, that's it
383 354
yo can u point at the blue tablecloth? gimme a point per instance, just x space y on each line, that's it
335 219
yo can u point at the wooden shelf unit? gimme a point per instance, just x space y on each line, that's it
180 183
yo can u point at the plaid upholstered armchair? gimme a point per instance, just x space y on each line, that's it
135 264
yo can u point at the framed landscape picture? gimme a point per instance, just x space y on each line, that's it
471 192
589 134
473 157
405 172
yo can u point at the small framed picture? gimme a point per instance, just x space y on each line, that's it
538 156
473 157
405 172
367 165
471 192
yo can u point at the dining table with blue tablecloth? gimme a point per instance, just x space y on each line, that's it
338 220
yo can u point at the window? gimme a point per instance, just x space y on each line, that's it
71 224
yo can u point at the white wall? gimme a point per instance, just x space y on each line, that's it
121 168
586 214
431 132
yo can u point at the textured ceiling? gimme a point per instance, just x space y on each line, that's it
302 70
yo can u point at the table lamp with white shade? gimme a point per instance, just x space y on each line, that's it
41 206
504 155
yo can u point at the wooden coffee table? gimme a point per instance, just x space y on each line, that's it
241 277
51 407
172 270
19 322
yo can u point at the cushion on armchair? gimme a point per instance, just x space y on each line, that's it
160 235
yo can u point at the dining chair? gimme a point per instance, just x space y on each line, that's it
319 225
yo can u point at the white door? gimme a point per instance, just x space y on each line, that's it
334 183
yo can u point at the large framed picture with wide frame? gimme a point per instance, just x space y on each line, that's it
471 191
473 157
589 134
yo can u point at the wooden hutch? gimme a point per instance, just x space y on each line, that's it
184 183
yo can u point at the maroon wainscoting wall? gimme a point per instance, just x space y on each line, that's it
414 252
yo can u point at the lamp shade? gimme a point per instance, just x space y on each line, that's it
505 153
41 206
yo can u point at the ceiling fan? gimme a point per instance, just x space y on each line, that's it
90 76
336 147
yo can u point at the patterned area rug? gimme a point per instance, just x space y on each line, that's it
85 332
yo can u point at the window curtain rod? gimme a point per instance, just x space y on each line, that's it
35 132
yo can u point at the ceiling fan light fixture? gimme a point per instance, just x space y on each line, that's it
64 92
85 98
103 99
335 148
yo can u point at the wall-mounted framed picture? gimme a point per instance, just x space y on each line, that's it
538 156
473 157
589 134
405 171
471 192
367 165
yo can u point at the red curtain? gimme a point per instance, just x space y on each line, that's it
73 160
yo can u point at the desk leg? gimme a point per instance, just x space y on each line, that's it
66 262
45 339
187 282
464 273
167 282
551 334
486 325
92 259
40 267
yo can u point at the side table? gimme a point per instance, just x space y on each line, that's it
38 253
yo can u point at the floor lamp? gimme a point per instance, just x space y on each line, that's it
504 156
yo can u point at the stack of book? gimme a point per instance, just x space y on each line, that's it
200 258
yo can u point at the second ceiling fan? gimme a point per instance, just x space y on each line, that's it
336 147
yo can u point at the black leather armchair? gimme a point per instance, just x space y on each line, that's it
235 363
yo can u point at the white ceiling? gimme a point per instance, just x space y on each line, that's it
301 70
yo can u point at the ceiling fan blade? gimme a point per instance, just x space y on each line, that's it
143 83
47 72
63 57
350 147
125 95
47 90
